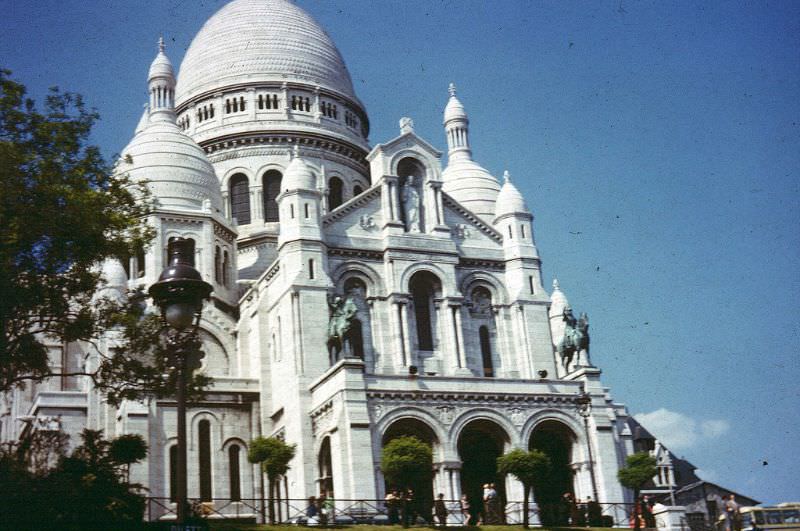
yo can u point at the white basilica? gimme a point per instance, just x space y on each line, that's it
258 151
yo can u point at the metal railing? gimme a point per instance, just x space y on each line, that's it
376 512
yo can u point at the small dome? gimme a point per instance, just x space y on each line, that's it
161 66
454 110
509 200
558 301
251 41
472 186
175 168
298 175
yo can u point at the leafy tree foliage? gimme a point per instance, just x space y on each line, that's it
406 461
639 469
274 455
86 490
62 212
528 467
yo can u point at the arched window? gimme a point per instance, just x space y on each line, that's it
357 190
140 263
233 472
217 265
173 473
272 187
226 268
240 199
424 287
335 197
356 337
204 458
325 463
486 351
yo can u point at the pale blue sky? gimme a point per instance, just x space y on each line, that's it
657 143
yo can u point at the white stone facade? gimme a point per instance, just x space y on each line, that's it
302 208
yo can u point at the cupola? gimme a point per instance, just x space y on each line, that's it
464 180
510 200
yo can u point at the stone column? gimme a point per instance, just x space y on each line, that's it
219 108
408 354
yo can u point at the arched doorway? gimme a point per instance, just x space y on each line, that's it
423 491
556 440
480 443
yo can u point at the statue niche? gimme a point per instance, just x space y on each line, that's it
411 173
345 328
575 340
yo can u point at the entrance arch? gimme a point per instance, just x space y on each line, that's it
557 440
480 443
414 427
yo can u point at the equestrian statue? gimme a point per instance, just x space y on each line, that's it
576 338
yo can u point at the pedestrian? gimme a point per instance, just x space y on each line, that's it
440 510
732 515
329 508
311 511
393 506
323 517
466 516
594 513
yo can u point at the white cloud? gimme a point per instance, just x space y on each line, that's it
678 431
714 428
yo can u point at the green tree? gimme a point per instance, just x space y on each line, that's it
85 490
274 456
407 462
528 467
126 450
639 469
63 211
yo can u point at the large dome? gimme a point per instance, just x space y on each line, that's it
256 41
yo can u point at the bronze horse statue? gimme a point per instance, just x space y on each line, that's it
576 337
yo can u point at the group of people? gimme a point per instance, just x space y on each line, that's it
401 506
732 516
572 512
321 510
643 512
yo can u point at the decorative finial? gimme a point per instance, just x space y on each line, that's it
452 89
406 125
506 177
161 46
555 284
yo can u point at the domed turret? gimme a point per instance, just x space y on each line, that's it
465 180
509 200
114 284
558 302
298 174
174 167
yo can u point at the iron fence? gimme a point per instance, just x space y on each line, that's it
377 512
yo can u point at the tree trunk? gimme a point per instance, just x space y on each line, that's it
271 501
525 505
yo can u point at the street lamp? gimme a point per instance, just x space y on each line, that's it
179 294
584 404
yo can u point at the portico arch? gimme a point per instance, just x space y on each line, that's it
557 440
480 442
414 427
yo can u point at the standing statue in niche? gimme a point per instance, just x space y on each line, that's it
342 313
576 338
411 205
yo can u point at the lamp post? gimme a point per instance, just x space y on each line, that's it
584 404
179 294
